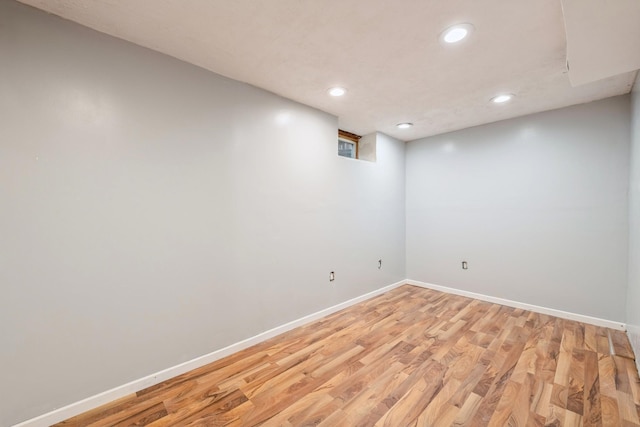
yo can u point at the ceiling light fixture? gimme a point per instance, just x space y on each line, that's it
337 91
456 33
404 125
502 98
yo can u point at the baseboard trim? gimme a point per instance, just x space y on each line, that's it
633 332
92 402
538 309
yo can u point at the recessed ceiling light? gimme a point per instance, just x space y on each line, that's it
502 98
456 33
337 91
404 125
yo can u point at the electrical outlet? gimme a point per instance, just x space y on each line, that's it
379 264
332 276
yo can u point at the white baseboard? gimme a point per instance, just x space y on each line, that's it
92 402
544 310
633 332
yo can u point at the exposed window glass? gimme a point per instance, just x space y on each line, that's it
348 144
346 148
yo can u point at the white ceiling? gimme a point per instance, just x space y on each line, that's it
601 41
386 53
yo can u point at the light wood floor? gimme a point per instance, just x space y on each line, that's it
409 357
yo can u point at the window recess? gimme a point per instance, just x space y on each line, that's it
348 144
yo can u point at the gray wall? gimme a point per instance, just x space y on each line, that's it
633 295
152 212
536 205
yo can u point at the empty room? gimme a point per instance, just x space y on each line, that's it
331 213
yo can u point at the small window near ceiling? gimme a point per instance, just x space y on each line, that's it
348 144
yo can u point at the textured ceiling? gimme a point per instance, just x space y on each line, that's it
386 54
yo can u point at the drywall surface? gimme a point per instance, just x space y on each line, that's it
536 205
367 147
633 292
152 212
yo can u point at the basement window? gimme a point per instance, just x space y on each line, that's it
348 144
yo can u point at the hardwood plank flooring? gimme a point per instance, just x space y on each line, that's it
410 357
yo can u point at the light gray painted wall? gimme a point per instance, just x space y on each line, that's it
633 292
152 212
537 206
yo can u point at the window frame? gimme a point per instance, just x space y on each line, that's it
351 138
